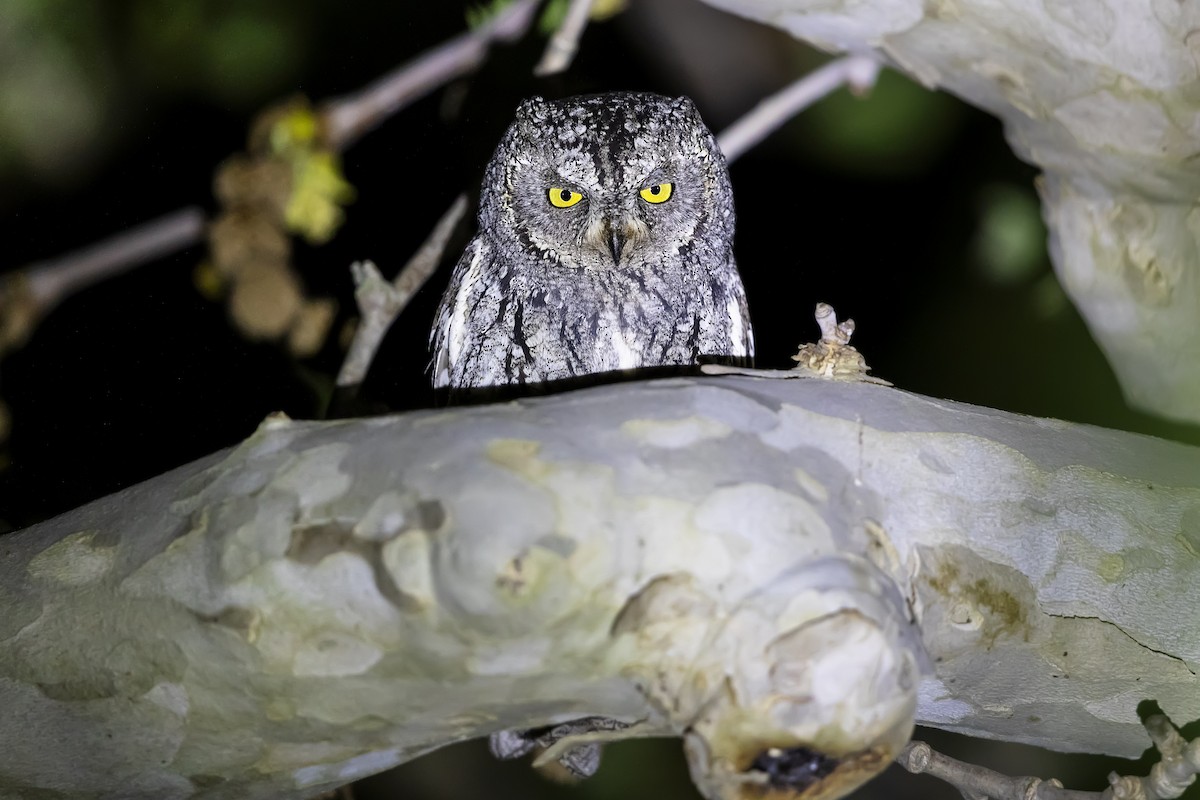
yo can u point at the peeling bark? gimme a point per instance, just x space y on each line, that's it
1101 94
785 573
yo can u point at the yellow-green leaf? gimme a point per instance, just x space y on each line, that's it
319 191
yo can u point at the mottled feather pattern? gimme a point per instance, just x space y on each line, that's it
613 283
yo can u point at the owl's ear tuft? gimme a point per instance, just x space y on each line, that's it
531 117
533 108
684 107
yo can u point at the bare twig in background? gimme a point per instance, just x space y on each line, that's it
1167 780
293 141
348 118
561 49
32 291
380 303
859 72
51 280
27 294
424 262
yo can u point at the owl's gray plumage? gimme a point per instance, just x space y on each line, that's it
611 282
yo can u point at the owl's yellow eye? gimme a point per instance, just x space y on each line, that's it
563 198
658 193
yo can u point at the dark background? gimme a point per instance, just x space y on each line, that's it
905 210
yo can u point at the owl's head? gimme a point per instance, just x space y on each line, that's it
608 181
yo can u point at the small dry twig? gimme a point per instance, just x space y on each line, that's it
348 118
859 72
830 358
28 293
1167 779
561 49
380 302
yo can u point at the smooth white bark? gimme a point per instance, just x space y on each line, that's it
735 559
1101 95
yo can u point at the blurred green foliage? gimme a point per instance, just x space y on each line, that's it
233 52
553 13
898 129
1048 298
56 87
553 16
76 77
1010 240
479 15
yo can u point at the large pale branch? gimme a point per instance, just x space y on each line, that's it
785 573
1101 95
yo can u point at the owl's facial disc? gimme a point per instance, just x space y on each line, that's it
621 181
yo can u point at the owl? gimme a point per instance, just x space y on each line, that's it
605 243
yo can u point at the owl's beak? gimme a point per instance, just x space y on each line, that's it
616 243
614 233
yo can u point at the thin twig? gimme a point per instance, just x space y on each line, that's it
1172 775
52 280
1169 778
564 44
44 284
981 782
348 118
379 303
424 262
857 71
32 291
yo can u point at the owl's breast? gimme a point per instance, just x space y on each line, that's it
529 321
587 321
